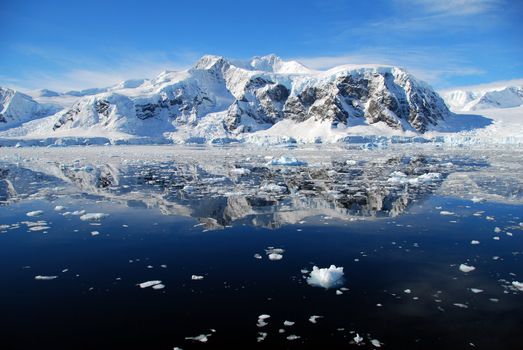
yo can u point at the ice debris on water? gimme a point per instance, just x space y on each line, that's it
202 338
287 161
45 278
288 323
261 320
376 343
466 268
196 277
59 208
326 277
93 216
314 318
518 285
274 253
35 213
148 284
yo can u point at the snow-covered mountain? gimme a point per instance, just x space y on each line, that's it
226 99
17 108
474 99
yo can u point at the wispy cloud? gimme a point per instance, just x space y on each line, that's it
429 64
454 7
73 72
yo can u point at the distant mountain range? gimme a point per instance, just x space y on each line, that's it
226 100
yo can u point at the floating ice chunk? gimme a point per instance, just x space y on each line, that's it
474 242
460 305
35 213
326 277
339 292
257 256
202 338
447 213
274 253
95 233
466 268
77 212
476 290
159 286
288 323
59 208
286 161
489 218
273 188
148 284
196 277
376 343
293 337
497 229
93 216
261 337
261 320
45 278
407 291
240 171
518 285
357 339
496 238
477 199
314 318
39 228
425 178
275 256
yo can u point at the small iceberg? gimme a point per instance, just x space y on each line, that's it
466 268
326 277
286 161
93 216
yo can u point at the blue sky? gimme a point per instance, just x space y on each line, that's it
79 44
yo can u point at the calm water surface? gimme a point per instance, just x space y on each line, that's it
177 213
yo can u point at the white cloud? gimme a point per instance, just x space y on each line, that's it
74 72
428 64
488 86
455 7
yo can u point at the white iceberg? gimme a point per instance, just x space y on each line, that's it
93 216
148 284
35 213
466 268
326 277
287 161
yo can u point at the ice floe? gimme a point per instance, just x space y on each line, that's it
326 277
196 277
466 268
286 161
261 320
45 278
518 285
34 213
314 318
93 216
148 284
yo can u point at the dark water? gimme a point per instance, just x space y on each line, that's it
95 303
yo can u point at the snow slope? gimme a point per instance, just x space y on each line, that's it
474 98
267 100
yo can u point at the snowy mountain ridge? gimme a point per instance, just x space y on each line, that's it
222 99
479 98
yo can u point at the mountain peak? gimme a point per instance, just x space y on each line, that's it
210 61
273 63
